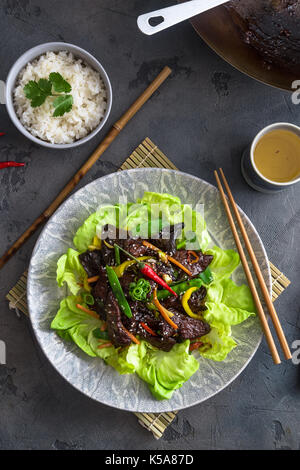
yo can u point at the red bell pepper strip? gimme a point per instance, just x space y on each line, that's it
149 272
147 328
10 164
195 345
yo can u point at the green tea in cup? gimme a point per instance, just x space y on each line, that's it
277 155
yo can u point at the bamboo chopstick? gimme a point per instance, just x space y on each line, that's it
278 328
108 139
260 311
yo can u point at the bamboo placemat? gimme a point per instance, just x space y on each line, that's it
147 154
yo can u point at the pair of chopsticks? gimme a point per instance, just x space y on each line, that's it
262 284
108 139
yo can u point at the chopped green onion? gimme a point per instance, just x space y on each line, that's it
88 299
139 290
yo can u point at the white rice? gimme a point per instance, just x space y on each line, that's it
89 99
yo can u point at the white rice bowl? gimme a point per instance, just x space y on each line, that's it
89 99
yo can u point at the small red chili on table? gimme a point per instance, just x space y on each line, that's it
10 164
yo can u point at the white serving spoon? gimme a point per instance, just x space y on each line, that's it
170 16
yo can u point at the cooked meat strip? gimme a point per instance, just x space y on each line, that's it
163 269
163 340
91 262
196 301
128 277
163 343
165 240
115 330
190 328
173 303
196 268
135 247
112 234
100 291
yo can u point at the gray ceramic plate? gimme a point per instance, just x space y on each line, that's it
90 375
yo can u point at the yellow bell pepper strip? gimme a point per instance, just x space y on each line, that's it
96 245
119 270
164 312
179 288
108 245
184 301
167 257
97 242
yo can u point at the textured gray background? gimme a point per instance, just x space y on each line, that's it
202 118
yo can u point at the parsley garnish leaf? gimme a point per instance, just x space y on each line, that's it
60 85
37 92
62 104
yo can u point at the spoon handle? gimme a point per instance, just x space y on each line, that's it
170 16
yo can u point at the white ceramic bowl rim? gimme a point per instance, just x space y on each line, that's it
277 125
32 54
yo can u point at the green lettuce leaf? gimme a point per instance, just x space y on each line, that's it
163 371
217 343
173 212
228 303
71 323
92 226
224 262
70 270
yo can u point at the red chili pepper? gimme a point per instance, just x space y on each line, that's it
149 272
147 328
10 164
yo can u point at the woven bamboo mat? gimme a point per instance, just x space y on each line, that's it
147 154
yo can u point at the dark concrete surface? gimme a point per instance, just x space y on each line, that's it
201 118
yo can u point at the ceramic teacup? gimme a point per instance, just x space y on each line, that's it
252 175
